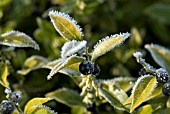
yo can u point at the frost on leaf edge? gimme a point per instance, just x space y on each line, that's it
21 33
67 17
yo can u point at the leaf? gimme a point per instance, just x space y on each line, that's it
40 109
72 70
72 47
67 97
160 54
147 109
113 93
111 99
159 12
66 26
35 101
108 43
143 87
4 73
51 65
17 39
69 61
157 91
78 110
125 83
32 63
135 39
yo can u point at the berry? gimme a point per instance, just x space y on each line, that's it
91 107
162 75
166 89
7 107
15 96
86 67
142 72
96 70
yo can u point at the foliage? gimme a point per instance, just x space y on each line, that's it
118 88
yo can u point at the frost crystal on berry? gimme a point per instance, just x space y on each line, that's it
162 75
7 107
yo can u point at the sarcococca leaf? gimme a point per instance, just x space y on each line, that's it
17 39
160 54
143 87
66 26
108 43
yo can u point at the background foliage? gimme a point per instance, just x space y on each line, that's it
148 22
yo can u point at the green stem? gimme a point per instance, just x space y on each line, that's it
19 109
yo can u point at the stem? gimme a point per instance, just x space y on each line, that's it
19 109
147 66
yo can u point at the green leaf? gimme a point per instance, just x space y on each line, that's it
40 109
65 25
160 54
32 63
67 97
159 12
72 47
125 83
108 43
111 99
157 91
113 93
67 62
52 64
35 101
17 39
72 70
4 73
78 110
135 39
142 89
147 109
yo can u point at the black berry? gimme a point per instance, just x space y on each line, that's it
91 107
142 72
15 96
86 67
166 89
7 107
96 70
162 75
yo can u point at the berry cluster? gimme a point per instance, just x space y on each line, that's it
162 77
8 106
88 67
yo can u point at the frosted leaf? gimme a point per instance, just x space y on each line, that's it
66 26
160 54
108 43
72 47
72 70
143 87
32 63
137 54
35 101
40 109
52 64
67 96
17 39
125 82
67 62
